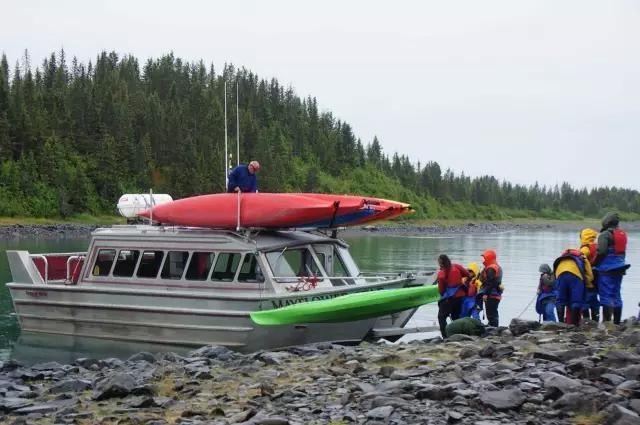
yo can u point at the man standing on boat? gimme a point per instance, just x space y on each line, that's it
243 178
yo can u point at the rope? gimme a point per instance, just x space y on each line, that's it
528 305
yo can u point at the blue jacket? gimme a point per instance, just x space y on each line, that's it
242 178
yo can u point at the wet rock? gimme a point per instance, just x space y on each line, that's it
520 327
380 413
503 399
116 386
46 366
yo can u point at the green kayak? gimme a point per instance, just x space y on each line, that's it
346 308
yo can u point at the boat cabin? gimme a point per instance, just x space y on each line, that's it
205 259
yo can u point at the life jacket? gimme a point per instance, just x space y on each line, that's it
453 282
593 252
494 291
544 285
619 242
576 256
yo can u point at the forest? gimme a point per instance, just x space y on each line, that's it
76 136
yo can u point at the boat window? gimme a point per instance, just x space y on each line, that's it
199 266
126 262
250 270
103 263
339 268
174 265
293 263
226 266
150 264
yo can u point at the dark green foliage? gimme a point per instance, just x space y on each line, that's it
74 137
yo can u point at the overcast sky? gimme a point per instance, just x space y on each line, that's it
527 91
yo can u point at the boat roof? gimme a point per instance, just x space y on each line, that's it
262 240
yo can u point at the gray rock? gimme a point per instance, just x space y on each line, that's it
268 420
620 359
555 326
386 371
622 416
454 416
467 352
380 413
540 353
460 338
521 327
612 379
86 362
561 383
635 405
214 352
631 372
631 340
576 402
9 404
504 399
574 353
395 402
434 392
629 389
70 385
39 408
142 356
116 386
47 366
273 357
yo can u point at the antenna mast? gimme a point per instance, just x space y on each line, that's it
226 153
237 122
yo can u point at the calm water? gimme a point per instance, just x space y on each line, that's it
519 253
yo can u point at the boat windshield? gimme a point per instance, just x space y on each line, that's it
293 263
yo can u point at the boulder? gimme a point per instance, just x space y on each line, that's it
519 327
381 413
619 415
503 399
555 381
142 356
115 386
70 385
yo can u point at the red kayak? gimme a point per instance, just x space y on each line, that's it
377 208
268 210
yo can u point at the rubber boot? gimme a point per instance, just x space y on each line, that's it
617 315
595 314
575 316
560 311
606 313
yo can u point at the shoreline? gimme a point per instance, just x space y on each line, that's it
396 228
526 374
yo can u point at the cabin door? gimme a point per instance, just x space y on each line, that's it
332 264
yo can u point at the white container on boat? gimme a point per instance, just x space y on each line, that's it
130 204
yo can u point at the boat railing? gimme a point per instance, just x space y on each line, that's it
57 267
379 277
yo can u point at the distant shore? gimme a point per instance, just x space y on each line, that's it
396 228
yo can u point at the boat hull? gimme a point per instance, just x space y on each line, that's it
178 318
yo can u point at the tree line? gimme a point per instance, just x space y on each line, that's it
75 136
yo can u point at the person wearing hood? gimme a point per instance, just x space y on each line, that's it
469 302
589 249
491 290
546 301
452 290
611 267
573 273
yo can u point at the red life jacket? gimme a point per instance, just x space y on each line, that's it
593 252
450 283
619 241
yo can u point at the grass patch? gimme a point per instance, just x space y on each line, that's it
589 419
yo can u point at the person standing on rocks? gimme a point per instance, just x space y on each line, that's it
611 267
589 249
452 291
491 291
470 301
573 273
546 301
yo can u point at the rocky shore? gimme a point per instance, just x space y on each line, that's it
46 231
524 374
